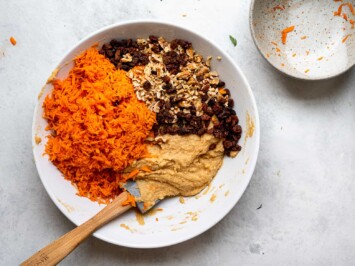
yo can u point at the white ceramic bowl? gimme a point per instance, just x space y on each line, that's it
321 46
177 222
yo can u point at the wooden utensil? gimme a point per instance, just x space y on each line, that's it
60 248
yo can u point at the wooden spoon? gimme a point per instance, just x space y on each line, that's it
60 248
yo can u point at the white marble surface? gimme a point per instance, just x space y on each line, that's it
304 177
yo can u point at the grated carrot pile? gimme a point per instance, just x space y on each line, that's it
98 126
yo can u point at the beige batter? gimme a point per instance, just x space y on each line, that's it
181 165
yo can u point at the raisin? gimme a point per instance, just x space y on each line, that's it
212 146
205 117
204 97
153 38
221 84
230 103
147 85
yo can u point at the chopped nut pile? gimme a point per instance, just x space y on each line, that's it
178 85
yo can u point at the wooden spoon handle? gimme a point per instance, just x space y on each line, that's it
60 248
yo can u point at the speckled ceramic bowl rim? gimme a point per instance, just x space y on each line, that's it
251 11
225 211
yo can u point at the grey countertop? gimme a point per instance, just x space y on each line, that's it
304 178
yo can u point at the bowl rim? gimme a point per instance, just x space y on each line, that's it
252 162
282 70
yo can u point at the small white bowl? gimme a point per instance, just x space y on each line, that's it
315 49
176 222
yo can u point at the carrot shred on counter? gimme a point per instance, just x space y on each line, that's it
284 33
352 22
98 126
13 41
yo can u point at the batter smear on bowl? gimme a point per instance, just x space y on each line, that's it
147 109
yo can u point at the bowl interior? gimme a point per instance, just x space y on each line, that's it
321 46
175 222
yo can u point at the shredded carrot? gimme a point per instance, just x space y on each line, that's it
284 33
98 126
345 38
222 91
13 41
278 7
352 22
351 7
129 201
340 9
132 174
145 168
345 17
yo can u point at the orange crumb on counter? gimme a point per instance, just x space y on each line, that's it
320 58
352 22
278 49
267 55
13 41
284 33
294 55
303 37
274 43
306 71
307 52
